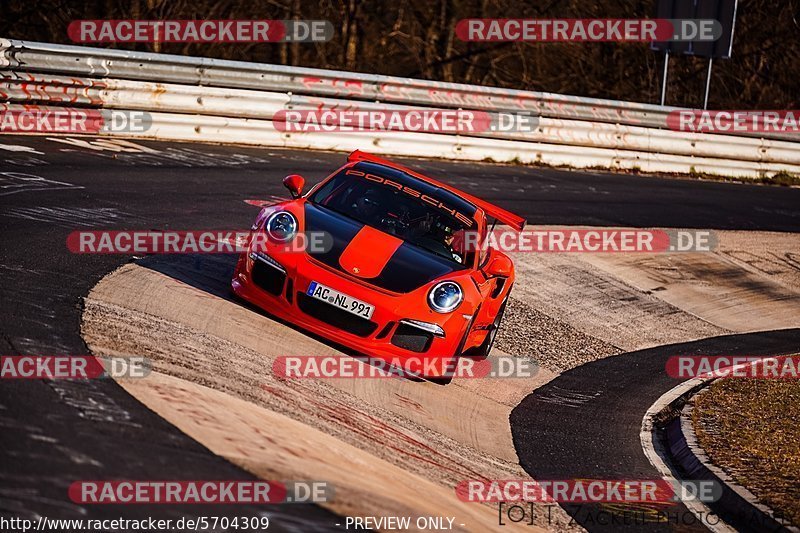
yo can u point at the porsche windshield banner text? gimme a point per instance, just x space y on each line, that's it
426 198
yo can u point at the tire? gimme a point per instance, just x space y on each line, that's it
445 380
479 352
482 351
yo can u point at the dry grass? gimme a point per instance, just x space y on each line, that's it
751 429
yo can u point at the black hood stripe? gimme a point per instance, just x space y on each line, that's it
408 269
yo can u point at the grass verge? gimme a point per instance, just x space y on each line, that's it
751 429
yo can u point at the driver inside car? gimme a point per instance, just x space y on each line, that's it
368 208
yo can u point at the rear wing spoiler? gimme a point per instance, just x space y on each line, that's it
506 217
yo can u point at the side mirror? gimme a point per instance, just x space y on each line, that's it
499 266
295 183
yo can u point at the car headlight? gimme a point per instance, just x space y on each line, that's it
444 297
281 226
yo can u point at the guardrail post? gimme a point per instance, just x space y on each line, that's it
664 78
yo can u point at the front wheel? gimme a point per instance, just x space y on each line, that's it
482 351
479 352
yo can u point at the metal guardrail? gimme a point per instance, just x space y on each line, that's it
125 94
214 96
97 62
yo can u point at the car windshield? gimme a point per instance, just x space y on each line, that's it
403 206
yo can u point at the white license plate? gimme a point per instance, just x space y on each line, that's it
340 300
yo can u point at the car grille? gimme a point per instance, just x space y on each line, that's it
411 338
268 278
335 317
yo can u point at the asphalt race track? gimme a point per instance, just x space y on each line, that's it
56 432
607 399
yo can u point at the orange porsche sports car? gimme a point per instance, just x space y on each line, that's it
385 267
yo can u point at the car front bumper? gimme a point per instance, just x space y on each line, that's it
402 329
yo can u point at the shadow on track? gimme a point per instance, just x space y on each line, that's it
213 273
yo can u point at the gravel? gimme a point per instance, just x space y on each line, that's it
555 345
